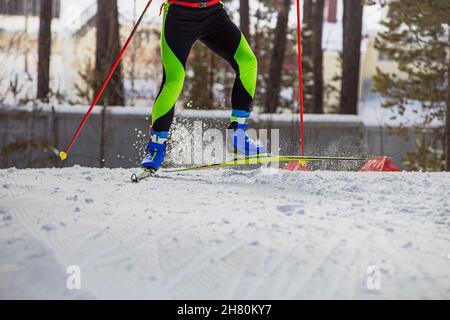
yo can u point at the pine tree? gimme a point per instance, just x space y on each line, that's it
417 38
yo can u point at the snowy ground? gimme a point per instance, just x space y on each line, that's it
225 234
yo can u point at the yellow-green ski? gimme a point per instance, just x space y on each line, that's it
265 160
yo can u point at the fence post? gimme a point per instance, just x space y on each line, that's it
103 135
54 122
30 137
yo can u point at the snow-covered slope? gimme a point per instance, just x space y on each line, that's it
225 234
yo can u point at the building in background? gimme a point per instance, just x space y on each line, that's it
73 49
26 8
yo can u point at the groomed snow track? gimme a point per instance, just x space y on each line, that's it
225 234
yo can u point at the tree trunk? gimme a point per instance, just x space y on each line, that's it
447 117
44 50
27 51
108 48
332 11
307 59
244 12
277 59
199 77
211 78
318 12
133 61
353 14
307 27
308 12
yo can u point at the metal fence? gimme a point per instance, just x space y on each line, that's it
117 136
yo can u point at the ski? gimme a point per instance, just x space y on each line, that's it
146 173
267 159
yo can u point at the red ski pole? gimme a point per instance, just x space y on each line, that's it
62 154
300 78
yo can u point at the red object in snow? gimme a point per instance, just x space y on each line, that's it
296 166
380 164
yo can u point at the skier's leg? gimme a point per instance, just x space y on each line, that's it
228 42
175 47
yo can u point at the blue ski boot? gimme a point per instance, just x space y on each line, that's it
156 151
241 142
